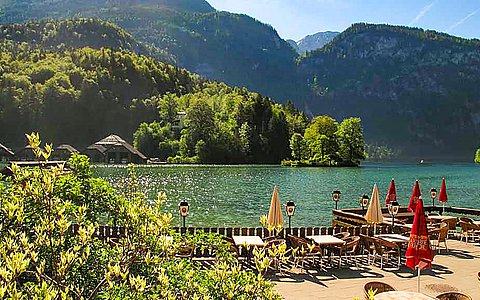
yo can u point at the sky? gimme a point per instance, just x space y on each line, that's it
294 19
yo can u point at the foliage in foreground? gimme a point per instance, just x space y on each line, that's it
42 258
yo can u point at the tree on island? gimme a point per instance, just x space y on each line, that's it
350 136
325 142
320 137
477 156
299 147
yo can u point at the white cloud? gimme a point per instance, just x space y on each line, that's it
461 21
422 13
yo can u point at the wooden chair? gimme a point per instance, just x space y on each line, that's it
469 229
379 287
185 251
452 225
233 247
381 248
349 248
305 248
453 296
270 245
342 235
439 235
466 220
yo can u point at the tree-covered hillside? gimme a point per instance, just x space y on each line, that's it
79 95
232 48
61 35
415 90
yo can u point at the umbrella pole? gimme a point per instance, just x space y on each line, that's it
418 280
443 207
374 229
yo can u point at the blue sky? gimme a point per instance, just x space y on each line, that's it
293 19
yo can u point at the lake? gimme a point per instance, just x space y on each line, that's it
239 195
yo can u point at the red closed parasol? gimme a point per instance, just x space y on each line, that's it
443 194
414 197
419 252
392 193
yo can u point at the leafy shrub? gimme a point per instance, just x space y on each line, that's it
48 250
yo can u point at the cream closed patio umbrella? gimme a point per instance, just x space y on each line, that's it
374 213
275 216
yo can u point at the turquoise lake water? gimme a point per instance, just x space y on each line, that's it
239 195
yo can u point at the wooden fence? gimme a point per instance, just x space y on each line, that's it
105 232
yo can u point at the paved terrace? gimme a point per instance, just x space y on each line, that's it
453 270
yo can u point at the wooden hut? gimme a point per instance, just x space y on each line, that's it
114 150
25 154
5 154
63 152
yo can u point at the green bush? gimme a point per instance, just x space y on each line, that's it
42 257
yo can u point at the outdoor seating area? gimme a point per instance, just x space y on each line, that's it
453 272
334 257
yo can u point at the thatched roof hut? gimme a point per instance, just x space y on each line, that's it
5 154
115 150
25 154
63 152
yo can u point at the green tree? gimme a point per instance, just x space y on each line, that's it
321 138
199 125
477 156
168 108
298 147
245 140
350 136
148 137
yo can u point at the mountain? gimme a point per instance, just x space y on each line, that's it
315 41
232 48
293 44
415 90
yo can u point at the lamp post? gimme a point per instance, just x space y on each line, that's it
290 209
433 194
183 208
336 197
393 211
364 202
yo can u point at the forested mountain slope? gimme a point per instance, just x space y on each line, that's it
79 95
232 48
61 35
414 89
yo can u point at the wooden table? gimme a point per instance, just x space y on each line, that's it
244 240
437 219
323 240
399 295
394 238
429 227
